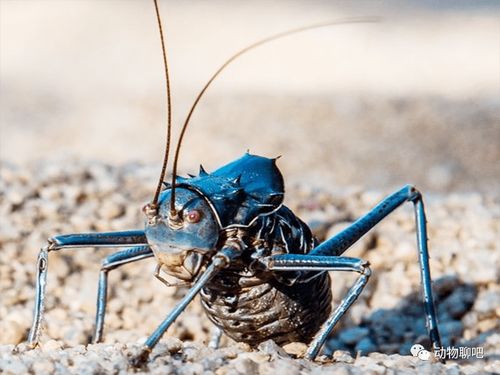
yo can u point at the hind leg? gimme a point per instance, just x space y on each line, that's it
342 241
326 256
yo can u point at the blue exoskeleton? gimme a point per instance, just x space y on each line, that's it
257 267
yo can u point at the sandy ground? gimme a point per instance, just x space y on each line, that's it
355 112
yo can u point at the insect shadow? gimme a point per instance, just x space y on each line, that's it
397 329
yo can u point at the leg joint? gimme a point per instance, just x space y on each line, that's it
107 266
365 269
414 194
52 244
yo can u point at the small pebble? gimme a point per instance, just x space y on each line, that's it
246 366
270 347
342 356
297 349
11 332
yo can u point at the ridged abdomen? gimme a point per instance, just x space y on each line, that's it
253 306
267 311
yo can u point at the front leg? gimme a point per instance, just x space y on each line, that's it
219 261
107 239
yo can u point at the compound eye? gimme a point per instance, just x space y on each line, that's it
193 216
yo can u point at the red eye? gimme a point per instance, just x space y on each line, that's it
193 216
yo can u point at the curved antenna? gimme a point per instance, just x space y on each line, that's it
173 213
154 203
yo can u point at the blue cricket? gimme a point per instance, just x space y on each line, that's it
257 267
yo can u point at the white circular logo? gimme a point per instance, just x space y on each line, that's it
418 350
424 355
415 349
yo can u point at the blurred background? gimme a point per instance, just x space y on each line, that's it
356 108
412 99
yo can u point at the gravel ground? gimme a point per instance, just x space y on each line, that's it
47 198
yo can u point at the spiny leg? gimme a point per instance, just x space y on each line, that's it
107 239
294 262
342 241
112 262
219 261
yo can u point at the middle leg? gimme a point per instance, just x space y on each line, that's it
294 262
113 261
68 241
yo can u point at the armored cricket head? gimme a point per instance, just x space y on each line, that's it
206 207
182 245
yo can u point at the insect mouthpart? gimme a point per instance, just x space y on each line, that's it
184 265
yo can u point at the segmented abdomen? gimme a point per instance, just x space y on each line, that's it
254 306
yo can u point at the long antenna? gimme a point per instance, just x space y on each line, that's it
351 20
154 203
